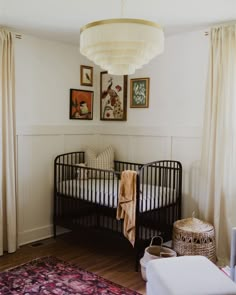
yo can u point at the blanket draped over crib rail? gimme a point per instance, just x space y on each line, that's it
127 204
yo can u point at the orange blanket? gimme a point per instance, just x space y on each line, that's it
126 208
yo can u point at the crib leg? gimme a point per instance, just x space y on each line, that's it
137 256
54 230
137 262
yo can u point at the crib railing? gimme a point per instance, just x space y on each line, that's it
84 197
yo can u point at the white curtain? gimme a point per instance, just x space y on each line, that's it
217 200
8 228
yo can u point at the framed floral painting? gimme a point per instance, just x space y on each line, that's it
139 93
81 104
113 97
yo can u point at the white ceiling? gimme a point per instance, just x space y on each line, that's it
62 19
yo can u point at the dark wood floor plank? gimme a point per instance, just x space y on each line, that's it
109 257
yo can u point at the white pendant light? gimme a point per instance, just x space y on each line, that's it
120 46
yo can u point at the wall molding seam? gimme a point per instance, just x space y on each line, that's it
171 147
166 131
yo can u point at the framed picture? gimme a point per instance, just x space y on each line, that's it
113 100
81 104
139 93
86 75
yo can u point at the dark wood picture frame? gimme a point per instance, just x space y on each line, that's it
81 104
86 75
139 92
113 97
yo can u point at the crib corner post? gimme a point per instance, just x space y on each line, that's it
55 198
136 244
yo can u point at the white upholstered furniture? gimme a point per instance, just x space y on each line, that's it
233 255
187 275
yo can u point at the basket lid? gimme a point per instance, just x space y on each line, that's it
193 224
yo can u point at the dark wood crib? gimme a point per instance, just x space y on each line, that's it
88 197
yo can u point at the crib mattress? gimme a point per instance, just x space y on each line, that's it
105 192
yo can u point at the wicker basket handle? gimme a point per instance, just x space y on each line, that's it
155 237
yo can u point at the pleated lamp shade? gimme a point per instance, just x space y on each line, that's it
120 46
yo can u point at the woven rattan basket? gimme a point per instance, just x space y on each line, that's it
192 236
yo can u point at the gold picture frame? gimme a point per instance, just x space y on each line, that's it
139 92
113 97
86 75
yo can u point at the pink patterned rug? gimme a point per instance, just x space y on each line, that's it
51 276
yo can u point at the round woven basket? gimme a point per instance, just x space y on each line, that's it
192 236
154 252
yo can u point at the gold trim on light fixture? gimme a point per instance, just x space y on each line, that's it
119 21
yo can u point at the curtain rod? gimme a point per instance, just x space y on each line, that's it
17 35
206 33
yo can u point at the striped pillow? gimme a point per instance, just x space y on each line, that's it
104 160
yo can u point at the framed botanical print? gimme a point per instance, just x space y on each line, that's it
113 97
81 104
86 75
139 93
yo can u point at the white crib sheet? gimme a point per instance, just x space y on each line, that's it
104 192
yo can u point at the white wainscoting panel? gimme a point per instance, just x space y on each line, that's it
140 149
187 150
35 184
38 146
149 148
79 142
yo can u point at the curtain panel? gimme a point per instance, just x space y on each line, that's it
217 200
8 216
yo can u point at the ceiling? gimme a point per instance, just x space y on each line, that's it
61 19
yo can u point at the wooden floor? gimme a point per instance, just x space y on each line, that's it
109 257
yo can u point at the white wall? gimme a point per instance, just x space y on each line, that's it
176 84
45 71
169 129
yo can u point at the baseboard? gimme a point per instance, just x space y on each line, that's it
38 234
